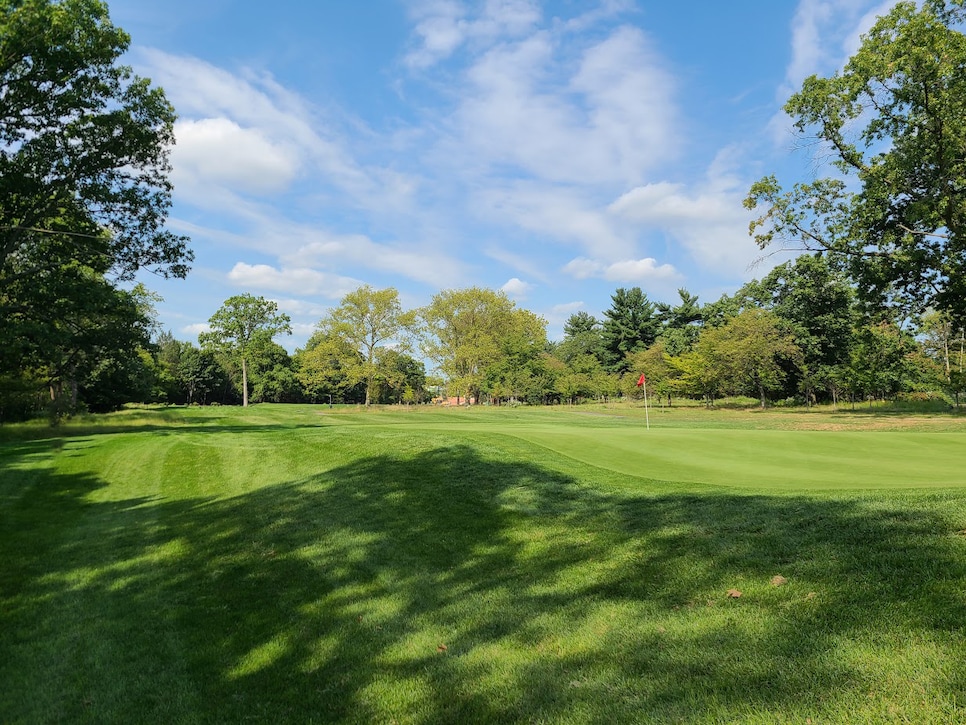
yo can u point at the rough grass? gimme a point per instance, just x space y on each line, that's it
304 564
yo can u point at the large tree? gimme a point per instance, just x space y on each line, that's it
751 353
630 326
242 325
83 146
680 323
818 304
582 336
367 319
463 332
893 123
321 365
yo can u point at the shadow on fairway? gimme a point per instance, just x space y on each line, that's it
482 590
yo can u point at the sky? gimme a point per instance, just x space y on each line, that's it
554 150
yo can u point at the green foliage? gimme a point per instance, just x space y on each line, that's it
466 332
200 375
243 326
321 368
818 305
749 354
582 336
83 146
404 377
84 197
893 122
630 326
366 319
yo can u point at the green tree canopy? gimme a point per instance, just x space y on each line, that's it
750 354
893 122
83 146
630 326
367 319
242 325
462 331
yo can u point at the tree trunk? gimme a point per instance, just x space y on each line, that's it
244 383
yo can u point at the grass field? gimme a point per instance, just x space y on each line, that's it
308 564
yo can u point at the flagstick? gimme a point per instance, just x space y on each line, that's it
647 418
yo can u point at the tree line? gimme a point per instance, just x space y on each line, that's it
801 335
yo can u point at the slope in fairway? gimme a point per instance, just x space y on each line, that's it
783 460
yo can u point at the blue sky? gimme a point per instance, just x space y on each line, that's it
555 150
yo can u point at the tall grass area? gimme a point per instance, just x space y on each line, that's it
308 564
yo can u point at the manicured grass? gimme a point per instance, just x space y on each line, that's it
301 564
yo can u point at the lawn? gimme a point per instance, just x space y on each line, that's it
309 564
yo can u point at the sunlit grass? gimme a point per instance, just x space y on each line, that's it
302 563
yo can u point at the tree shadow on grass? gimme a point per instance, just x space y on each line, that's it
446 585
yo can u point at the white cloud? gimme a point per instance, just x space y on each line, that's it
562 213
518 262
516 288
302 330
444 25
301 308
707 219
629 270
610 120
441 31
196 329
269 117
566 309
302 280
557 315
428 265
217 150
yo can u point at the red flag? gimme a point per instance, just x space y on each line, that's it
641 380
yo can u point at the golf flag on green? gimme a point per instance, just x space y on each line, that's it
641 380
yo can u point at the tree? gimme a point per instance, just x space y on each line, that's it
522 342
818 303
404 378
946 344
696 372
321 367
750 352
270 371
582 336
366 319
86 322
199 374
630 326
681 323
243 322
659 373
878 364
894 123
462 332
83 145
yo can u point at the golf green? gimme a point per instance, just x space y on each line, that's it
777 460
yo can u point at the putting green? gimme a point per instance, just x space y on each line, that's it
784 460
769 459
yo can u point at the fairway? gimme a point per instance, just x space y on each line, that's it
308 564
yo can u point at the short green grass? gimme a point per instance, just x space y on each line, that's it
308 564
